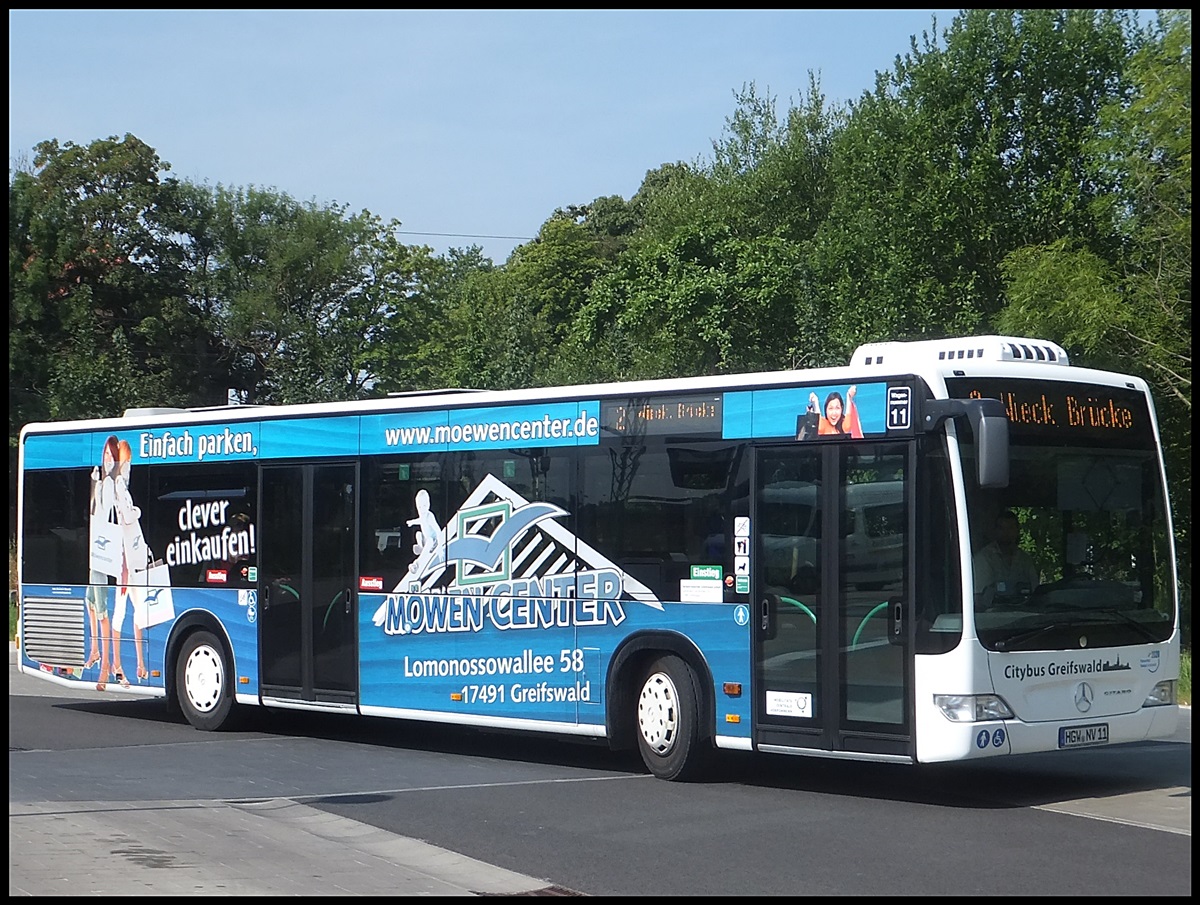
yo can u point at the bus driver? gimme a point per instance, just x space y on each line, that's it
1002 564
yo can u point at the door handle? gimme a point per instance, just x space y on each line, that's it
896 621
767 617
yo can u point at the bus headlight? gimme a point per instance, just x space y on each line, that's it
1161 694
972 708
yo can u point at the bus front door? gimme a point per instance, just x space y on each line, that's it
307 582
829 560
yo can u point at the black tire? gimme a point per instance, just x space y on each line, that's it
668 721
203 682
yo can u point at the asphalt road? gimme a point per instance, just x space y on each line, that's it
108 794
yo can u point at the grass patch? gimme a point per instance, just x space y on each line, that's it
1185 677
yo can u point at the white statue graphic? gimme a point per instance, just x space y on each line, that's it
429 532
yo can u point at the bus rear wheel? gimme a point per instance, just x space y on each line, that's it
668 718
202 682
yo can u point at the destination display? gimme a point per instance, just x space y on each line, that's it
1066 412
691 415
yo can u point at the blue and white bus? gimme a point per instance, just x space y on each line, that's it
779 562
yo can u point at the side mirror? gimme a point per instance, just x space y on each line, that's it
989 422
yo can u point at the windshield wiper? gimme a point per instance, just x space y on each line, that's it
1030 633
1079 620
1143 630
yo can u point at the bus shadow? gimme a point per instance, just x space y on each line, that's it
398 734
1018 782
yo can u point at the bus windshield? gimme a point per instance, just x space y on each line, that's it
1075 552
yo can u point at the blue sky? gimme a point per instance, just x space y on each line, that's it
466 123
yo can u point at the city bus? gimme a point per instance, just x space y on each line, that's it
777 562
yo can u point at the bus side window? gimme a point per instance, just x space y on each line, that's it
657 510
939 621
55 542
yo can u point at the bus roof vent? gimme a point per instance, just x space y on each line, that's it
230 406
153 410
907 355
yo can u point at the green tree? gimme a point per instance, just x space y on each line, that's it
609 221
1132 311
713 280
764 177
414 288
551 278
1139 301
452 332
962 154
700 304
307 295
503 327
100 317
493 338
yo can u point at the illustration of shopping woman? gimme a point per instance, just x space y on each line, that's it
104 560
839 419
118 551
133 566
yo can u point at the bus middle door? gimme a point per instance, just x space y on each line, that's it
307 582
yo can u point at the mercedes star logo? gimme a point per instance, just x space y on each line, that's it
1083 697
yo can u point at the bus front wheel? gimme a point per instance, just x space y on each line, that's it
668 718
202 682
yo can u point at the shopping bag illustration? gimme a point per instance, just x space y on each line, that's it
107 543
134 545
153 603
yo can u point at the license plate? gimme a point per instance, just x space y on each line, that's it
1083 736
